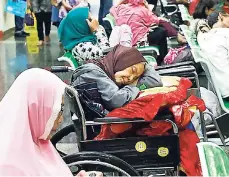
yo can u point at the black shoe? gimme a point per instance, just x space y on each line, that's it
27 34
20 34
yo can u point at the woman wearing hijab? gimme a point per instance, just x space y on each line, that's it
27 125
81 34
144 24
118 76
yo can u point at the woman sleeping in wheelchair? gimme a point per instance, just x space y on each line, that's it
118 77
27 125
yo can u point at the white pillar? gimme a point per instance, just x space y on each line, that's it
6 19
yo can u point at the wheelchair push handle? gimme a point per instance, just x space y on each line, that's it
61 69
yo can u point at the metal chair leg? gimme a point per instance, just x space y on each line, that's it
217 128
202 121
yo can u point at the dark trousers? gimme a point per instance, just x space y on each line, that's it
19 23
171 31
104 9
43 18
159 38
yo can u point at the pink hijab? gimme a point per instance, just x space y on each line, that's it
27 115
137 16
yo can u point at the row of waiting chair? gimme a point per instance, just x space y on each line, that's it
218 122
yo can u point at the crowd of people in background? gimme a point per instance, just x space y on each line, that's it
48 12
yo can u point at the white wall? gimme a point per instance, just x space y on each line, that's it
6 19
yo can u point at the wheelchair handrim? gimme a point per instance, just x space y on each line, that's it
93 162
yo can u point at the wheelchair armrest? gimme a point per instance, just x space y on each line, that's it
177 71
187 63
117 120
160 116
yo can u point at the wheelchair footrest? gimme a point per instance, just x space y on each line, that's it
140 152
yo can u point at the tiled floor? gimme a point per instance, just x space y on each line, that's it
18 55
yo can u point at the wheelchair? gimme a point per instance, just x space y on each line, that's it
123 156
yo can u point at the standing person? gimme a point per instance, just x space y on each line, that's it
19 25
43 13
105 6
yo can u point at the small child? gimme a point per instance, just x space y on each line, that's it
68 5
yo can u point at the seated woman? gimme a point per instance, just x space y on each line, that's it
118 76
29 124
82 35
215 45
144 24
79 33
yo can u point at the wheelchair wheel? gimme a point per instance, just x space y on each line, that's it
96 161
59 135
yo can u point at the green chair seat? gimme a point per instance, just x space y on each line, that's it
151 60
226 103
145 48
68 57
214 160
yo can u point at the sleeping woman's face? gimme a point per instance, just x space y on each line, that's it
130 74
